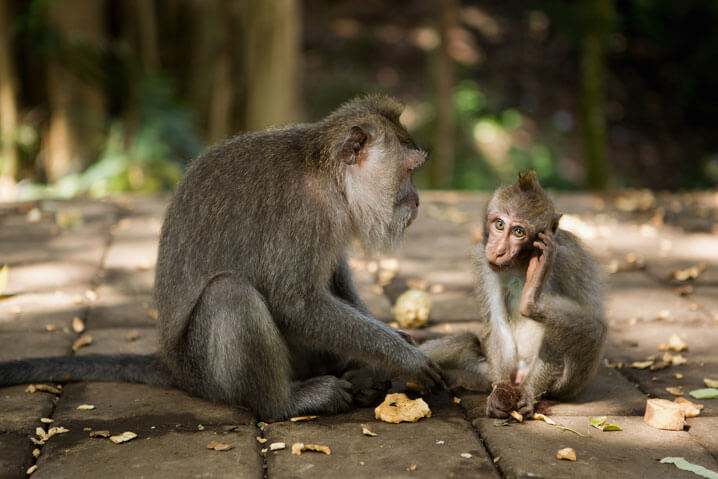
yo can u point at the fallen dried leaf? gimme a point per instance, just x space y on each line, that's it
676 343
412 467
4 273
566 454
299 447
261 439
81 342
91 295
678 375
457 400
659 365
42 387
398 407
46 420
466 455
675 391
543 417
684 465
366 431
689 273
706 393
31 469
277 446
641 364
548 420
103 434
78 326
153 314
133 335
302 418
36 453
711 383
124 437
219 446
690 409
664 414
86 407
600 423
684 290
516 415
51 328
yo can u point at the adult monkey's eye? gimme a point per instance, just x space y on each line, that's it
499 224
519 232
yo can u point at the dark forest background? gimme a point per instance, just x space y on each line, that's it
100 96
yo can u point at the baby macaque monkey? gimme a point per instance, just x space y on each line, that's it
540 297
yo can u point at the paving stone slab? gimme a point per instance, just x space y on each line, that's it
15 455
157 453
51 276
121 341
21 411
634 342
35 345
34 312
705 431
434 445
529 449
126 403
634 295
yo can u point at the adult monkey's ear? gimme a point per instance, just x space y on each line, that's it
554 221
353 148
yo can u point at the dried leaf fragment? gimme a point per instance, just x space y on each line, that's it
543 417
642 364
684 465
366 431
42 387
36 453
124 437
516 415
133 335
4 274
664 414
675 391
398 407
466 455
706 393
302 418
711 383
86 407
566 454
261 439
690 409
219 446
78 326
277 446
600 423
102 434
50 328
46 420
81 342
31 469
299 447
689 273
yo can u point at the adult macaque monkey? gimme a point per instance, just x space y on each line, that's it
256 301
540 297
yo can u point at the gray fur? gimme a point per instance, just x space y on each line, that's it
256 303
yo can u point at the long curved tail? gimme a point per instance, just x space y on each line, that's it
133 368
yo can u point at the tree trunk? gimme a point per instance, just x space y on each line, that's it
597 18
8 102
442 161
147 35
77 105
273 55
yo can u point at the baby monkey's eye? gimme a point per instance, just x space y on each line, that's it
499 224
519 232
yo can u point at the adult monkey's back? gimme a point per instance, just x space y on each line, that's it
257 306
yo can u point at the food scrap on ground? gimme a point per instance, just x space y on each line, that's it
299 447
398 407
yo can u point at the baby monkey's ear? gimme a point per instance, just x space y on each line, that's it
554 221
353 148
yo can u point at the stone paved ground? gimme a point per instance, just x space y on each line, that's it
94 260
